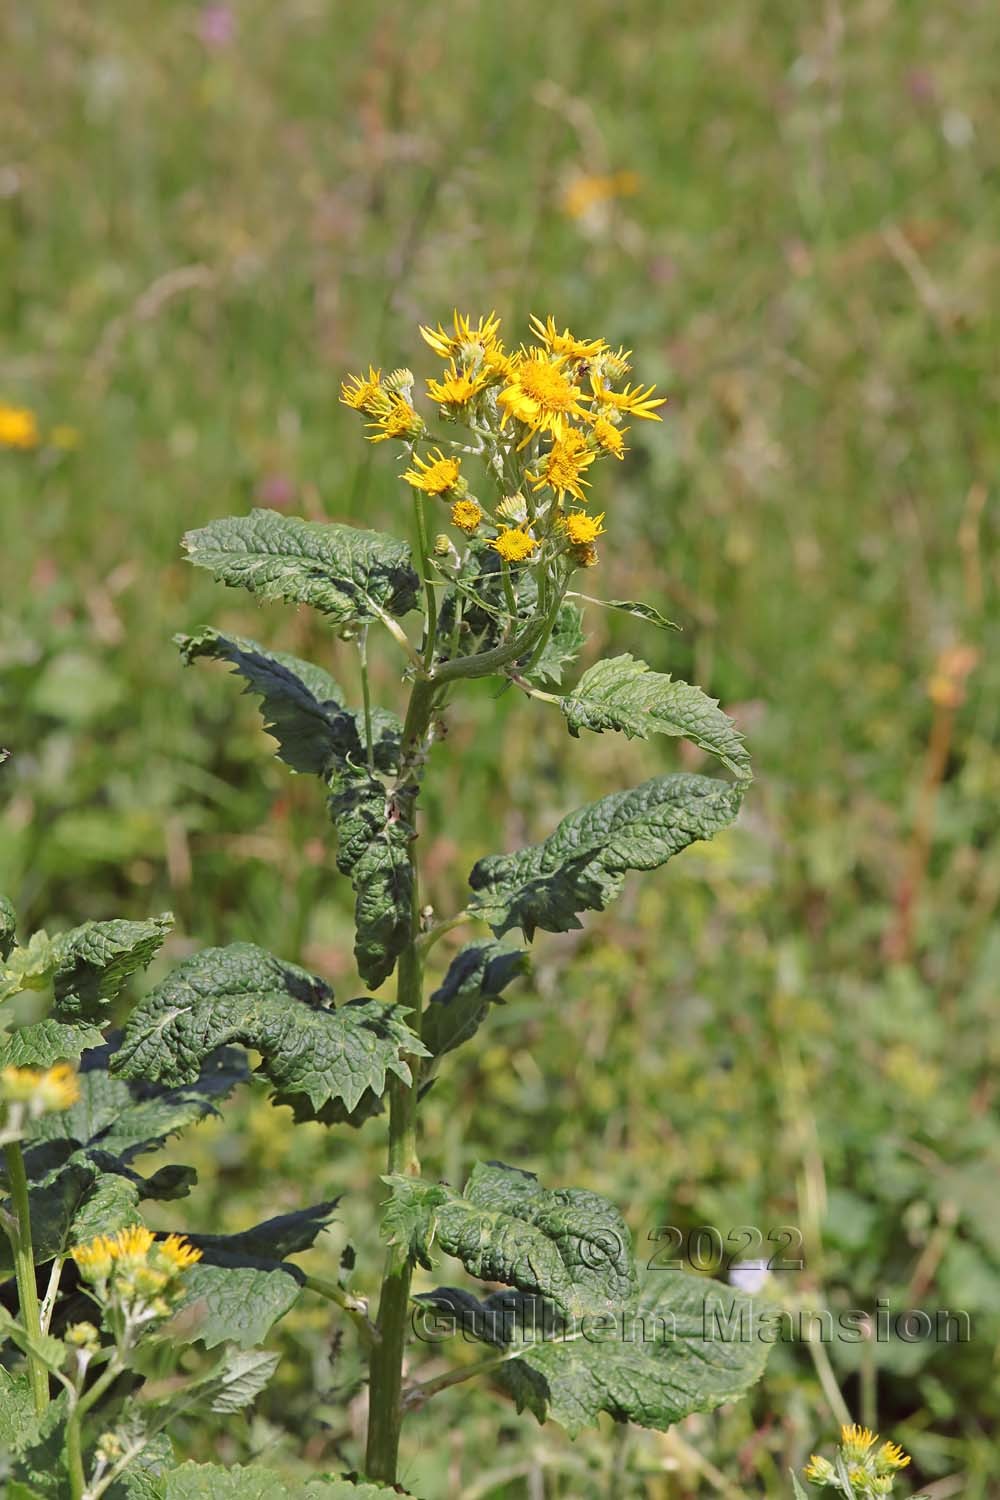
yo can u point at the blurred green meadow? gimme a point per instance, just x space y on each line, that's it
209 215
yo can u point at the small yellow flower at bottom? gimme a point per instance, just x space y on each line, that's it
18 427
514 544
435 475
466 515
819 1470
44 1090
581 530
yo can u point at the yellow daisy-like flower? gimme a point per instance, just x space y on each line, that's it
582 530
541 396
365 392
890 1457
608 437
458 387
464 340
133 1244
564 465
399 420
178 1253
466 515
856 1441
44 1090
435 475
615 364
18 427
565 343
633 399
514 544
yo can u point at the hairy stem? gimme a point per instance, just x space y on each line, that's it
24 1269
385 1414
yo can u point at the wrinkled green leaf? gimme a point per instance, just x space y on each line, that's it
241 1378
653 1365
47 1042
111 1204
54 1205
476 978
90 964
373 850
312 1054
566 1244
242 1285
582 865
622 693
18 1422
347 573
302 706
210 1482
27 967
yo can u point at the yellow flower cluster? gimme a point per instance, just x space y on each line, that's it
540 416
18 427
133 1265
39 1091
871 1471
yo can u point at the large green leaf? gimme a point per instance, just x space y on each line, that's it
313 1055
54 1205
476 978
210 1482
47 1042
373 850
302 705
622 693
347 573
653 1364
242 1285
91 963
582 865
565 1244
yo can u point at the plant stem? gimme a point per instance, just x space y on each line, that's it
385 1415
430 623
74 1458
352 1306
24 1269
366 698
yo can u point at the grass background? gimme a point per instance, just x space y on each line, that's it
209 215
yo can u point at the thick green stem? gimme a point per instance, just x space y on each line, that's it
385 1416
24 1269
74 1458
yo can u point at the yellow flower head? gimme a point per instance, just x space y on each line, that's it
608 437
856 1441
133 1244
819 1470
889 1458
514 544
633 399
585 556
18 427
178 1253
399 420
458 388
614 365
464 341
564 465
581 530
435 475
95 1259
365 392
541 396
466 515
565 343
44 1090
